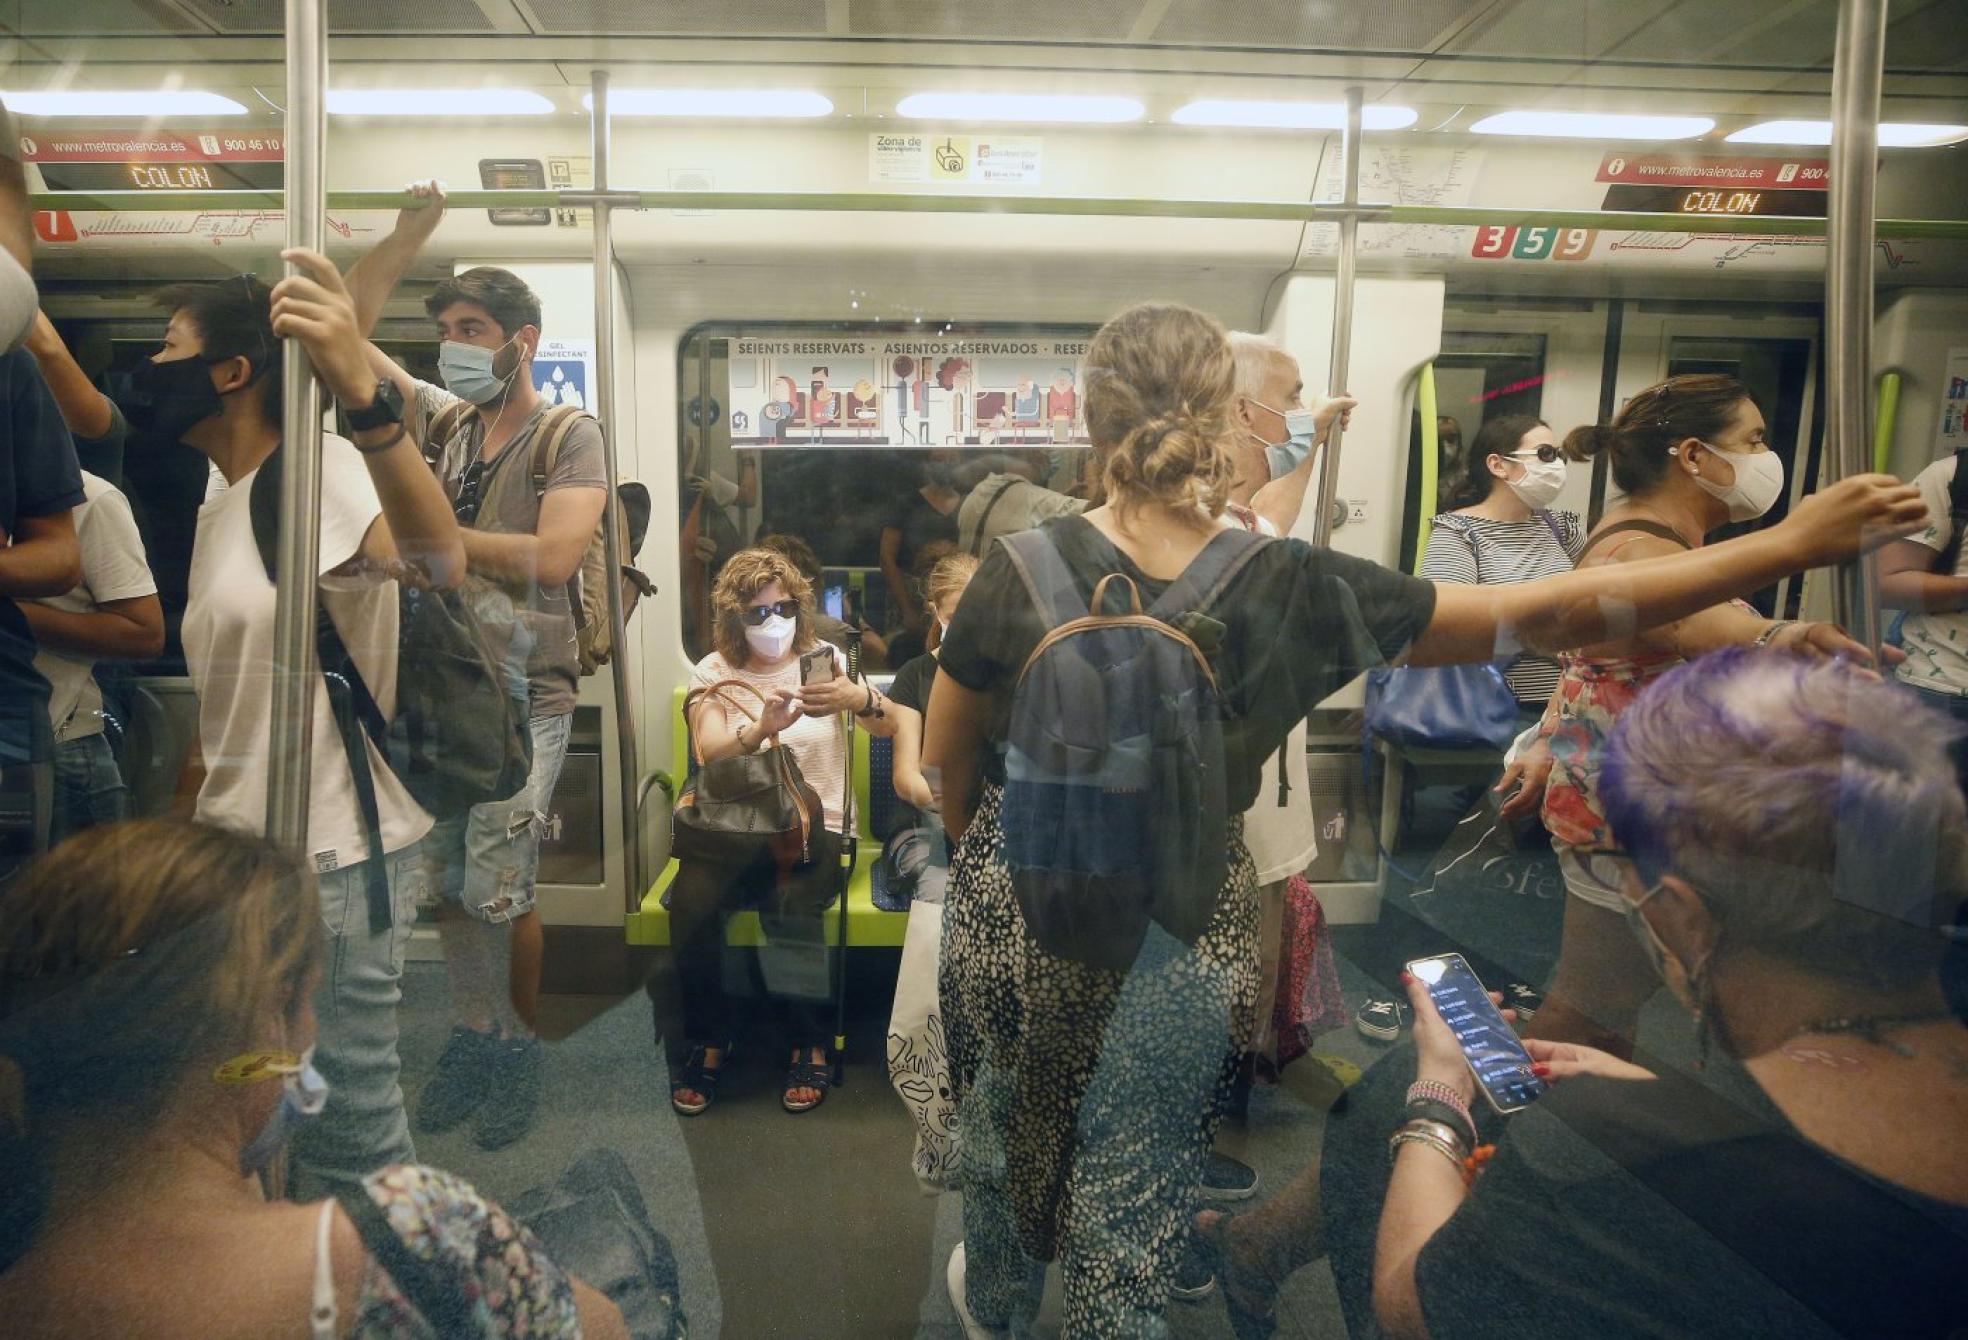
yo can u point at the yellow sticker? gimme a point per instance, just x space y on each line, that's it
252 1067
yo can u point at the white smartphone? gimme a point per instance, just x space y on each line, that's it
1490 1045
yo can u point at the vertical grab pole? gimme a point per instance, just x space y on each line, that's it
611 539
1342 336
291 730
1855 79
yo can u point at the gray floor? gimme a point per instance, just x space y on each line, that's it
813 1226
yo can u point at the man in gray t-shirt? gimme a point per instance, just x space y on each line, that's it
524 540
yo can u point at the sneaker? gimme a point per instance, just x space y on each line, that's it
458 1088
1381 1018
1521 998
1193 1278
515 1098
1225 1178
973 1329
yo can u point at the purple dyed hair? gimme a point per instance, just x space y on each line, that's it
1813 806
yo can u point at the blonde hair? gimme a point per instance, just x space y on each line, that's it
949 577
1160 383
744 575
134 959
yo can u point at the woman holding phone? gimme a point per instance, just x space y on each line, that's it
768 678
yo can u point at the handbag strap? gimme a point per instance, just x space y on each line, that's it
445 1305
718 690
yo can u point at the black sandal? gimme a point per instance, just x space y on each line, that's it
805 1074
699 1079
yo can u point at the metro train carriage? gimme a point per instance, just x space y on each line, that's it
839 273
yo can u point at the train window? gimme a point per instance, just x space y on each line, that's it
863 443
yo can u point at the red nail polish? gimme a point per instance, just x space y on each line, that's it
1540 1068
1406 976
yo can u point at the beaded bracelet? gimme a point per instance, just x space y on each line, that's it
1436 1091
1472 1166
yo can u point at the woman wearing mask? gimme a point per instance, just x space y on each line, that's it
157 1039
1690 456
762 608
1088 1096
1503 529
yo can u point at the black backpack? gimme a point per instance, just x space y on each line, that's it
457 739
1116 805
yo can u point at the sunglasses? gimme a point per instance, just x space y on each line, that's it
1546 453
755 615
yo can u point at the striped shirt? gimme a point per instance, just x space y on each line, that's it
1467 550
819 744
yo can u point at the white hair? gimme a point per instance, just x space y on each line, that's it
1254 355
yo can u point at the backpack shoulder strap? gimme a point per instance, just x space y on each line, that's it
977 541
264 507
1957 492
1209 573
445 425
1047 578
547 439
1654 529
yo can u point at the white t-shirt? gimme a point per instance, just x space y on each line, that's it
1283 839
113 568
1936 645
228 642
819 744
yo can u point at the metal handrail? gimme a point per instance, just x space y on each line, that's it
1883 418
1344 275
835 202
290 733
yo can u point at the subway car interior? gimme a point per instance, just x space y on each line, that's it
838 274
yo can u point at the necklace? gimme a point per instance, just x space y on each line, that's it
1870 1028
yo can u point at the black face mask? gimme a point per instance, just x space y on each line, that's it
167 400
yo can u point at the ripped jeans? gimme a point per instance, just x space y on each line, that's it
486 860
485 863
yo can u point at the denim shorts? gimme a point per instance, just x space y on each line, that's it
487 860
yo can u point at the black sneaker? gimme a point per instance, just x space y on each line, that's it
1193 1277
1381 1018
1521 998
1225 1178
515 1098
458 1087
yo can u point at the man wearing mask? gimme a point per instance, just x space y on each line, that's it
523 546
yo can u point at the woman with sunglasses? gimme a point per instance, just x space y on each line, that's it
762 618
1690 456
1503 529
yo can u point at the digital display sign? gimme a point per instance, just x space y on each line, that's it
1734 201
161 176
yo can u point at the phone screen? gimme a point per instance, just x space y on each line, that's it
1490 1045
834 601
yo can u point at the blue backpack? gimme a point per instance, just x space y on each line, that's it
1115 808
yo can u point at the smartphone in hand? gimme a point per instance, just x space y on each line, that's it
817 666
1489 1044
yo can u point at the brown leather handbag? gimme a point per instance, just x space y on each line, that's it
746 808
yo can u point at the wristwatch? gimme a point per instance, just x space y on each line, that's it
385 409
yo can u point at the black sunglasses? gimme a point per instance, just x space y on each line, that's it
755 615
1546 453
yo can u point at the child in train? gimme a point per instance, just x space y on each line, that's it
1131 1063
216 386
524 545
163 1040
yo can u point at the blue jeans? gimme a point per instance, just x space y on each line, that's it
487 860
363 1127
88 788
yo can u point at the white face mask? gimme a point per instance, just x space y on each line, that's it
1759 482
1541 484
773 638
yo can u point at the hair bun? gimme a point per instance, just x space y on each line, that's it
1589 440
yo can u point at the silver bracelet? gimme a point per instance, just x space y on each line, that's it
1410 1136
1769 634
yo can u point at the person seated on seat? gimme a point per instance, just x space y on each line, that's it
1797 841
763 612
157 1033
874 648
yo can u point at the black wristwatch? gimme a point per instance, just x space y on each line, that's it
385 409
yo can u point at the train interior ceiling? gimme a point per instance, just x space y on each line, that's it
929 237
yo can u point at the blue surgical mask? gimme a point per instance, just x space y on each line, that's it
303 1093
1301 435
467 371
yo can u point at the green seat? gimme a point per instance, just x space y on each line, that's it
868 926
